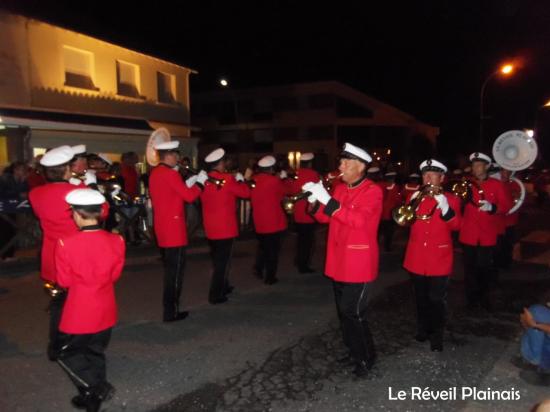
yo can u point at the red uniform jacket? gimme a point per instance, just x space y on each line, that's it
430 247
481 228
305 175
89 275
408 191
168 193
392 199
130 176
266 198
352 245
219 206
35 179
55 216
514 192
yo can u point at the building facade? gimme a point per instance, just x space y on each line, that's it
318 117
62 87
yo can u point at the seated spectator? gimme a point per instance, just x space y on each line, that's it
535 344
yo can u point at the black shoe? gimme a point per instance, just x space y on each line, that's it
362 368
93 403
53 353
306 270
271 281
79 401
421 337
346 361
521 363
228 290
217 300
104 391
535 378
176 317
436 346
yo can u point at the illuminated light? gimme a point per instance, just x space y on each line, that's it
398 163
224 82
547 104
389 152
378 158
2 120
529 132
507 69
375 153
2 127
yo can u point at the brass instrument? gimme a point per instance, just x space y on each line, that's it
406 215
463 190
53 290
327 180
289 202
218 182
79 176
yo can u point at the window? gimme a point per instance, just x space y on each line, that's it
127 76
321 101
166 87
285 104
78 68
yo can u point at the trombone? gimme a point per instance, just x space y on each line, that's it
289 203
218 182
406 214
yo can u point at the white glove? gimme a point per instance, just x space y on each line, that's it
486 206
239 177
75 181
116 191
283 174
191 180
90 178
307 188
318 191
202 177
442 203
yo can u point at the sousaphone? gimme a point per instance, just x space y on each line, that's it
161 135
515 150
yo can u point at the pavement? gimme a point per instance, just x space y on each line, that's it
272 348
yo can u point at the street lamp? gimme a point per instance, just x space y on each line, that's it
224 82
504 70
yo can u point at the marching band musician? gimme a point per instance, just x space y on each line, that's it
269 218
305 224
90 311
478 233
412 185
429 254
353 214
392 199
219 212
504 259
49 206
168 193
79 168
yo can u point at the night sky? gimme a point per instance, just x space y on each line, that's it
428 58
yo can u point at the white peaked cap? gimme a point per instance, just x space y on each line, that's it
85 197
457 171
390 174
79 149
171 145
57 156
105 158
357 152
214 155
480 156
267 161
306 157
434 165
373 169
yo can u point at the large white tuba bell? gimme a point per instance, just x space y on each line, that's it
160 135
514 150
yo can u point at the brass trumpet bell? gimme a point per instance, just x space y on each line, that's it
289 203
52 289
462 190
406 215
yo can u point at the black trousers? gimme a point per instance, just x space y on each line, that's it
387 229
267 256
351 306
7 232
83 358
505 248
174 264
478 273
304 244
431 305
221 251
55 309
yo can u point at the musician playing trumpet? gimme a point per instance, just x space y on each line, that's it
478 233
429 254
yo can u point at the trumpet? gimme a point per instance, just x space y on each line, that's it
218 182
53 290
463 190
406 215
289 202
327 180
